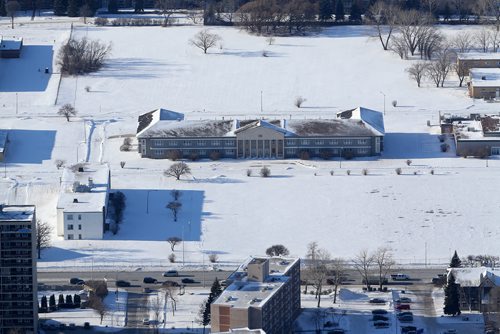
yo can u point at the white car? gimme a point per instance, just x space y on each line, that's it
400 277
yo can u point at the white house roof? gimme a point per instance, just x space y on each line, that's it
151 118
3 140
471 277
373 118
84 191
479 56
485 77
14 43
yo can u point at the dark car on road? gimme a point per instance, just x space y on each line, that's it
380 317
402 307
188 280
379 311
122 284
76 281
150 280
377 301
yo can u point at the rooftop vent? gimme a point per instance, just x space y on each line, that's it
80 169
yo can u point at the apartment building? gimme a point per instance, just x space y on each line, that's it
356 132
83 202
263 293
18 283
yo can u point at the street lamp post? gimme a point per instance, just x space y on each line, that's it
340 157
384 100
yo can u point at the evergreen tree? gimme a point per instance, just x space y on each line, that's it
355 14
339 11
112 6
60 302
69 301
73 8
43 304
205 312
325 10
455 261
60 7
139 6
77 300
52 303
451 297
3 11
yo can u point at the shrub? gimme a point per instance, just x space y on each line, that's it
249 172
82 56
445 147
364 171
399 171
174 155
394 103
348 172
213 258
432 171
331 172
325 154
101 21
408 162
59 163
127 145
415 173
215 155
265 172
299 100
304 155
171 258
87 89
127 141
122 164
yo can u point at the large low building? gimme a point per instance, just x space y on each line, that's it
357 132
484 83
263 293
83 202
18 283
475 135
478 60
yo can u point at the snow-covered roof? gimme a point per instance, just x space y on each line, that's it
373 118
329 128
84 191
14 43
150 118
479 56
3 140
474 128
472 277
485 77
10 213
189 128
262 123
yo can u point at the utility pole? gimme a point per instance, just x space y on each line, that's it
261 102
384 101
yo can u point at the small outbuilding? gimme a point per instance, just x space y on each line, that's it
10 47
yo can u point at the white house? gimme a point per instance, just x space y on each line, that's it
83 202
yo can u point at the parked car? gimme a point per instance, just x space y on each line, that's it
72 326
379 311
122 284
408 330
377 301
336 331
76 281
171 273
381 324
188 280
86 325
400 277
406 318
170 283
402 314
403 300
149 280
402 307
380 317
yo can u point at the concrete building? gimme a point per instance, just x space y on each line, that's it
484 83
478 60
357 132
18 283
3 143
475 135
10 47
263 293
83 202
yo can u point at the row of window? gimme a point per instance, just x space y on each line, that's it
71 227
186 153
194 142
72 237
292 142
71 217
334 152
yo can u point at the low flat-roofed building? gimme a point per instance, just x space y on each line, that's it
10 47
83 202
263 293
18 282
3 143
478 60
484 83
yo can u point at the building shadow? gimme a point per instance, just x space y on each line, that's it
29 146
55 254
27 73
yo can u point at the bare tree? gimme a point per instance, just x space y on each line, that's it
417 71
85 11
43 236
155 304
429 42
462 42
383 18
97 304
495 39
318 271
433 71
398 45
445 59
170 296
177 170
67 111
12 7
488 9
482 38
205 40
363 263
384 262
462 70
338 270
82 56
175 207
411 24
167 9
174 241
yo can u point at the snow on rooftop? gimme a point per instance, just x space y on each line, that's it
479 56
188 128
472 276
485 77
14 43
17 213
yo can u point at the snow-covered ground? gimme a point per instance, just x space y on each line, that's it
224 211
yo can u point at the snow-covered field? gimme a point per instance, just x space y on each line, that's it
224 211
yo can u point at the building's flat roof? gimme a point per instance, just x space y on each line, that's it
3 140
243 293
91 200
479 56
10 213
12 43
472 128
485 77
472 276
